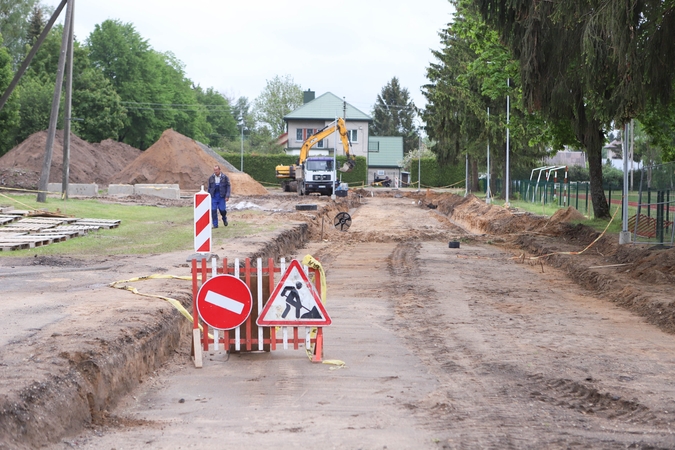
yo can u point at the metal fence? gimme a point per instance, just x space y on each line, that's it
651 206
653 220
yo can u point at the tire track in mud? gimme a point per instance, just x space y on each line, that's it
493 394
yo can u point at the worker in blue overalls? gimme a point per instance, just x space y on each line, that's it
219 188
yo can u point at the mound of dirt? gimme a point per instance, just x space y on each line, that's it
568 214
89 163
177 159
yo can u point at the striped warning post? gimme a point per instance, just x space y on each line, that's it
202 228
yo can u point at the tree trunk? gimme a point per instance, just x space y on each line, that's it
592 138
590 134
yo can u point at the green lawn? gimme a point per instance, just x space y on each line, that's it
143 230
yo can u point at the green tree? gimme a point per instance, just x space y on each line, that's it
471 75
36 99
14 24
9 116
279 97
136 73
588 62
394 113
36 24
219 116
94 98
659 123
242 113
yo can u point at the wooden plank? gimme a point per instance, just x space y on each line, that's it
44 221
13 230
9 246
34 241
3 235
103 223
68 233
82 228
112 221
54 237
4 219
18 212
29 227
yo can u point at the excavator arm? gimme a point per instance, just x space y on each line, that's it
339 124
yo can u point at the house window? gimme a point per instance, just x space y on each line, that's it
353 135
374 146
298 135
319 144
309 132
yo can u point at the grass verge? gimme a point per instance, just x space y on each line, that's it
143 229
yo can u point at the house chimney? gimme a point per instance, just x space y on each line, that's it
307 96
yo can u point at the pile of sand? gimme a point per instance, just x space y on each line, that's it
177 159
89 163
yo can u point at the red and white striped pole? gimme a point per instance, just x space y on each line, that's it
202 228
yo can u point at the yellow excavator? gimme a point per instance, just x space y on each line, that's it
316 173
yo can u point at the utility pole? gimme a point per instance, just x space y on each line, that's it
508 109
51 133
67 111
241 166
488 195
31 54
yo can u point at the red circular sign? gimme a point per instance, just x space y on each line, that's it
224 302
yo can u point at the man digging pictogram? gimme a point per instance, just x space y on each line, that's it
293 300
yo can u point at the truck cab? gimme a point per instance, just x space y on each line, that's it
318 175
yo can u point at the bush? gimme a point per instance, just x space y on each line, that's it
262 168
436 176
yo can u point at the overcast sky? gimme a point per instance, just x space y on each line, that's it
351 48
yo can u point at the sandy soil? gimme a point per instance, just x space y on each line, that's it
509 341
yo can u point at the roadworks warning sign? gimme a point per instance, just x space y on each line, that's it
294 302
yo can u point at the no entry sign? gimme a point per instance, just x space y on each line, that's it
224 302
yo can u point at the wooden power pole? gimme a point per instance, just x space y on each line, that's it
51 132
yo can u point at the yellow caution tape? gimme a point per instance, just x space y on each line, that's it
17 201
25 190
335 362
309 261
522 257
175 303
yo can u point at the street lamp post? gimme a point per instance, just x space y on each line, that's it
488 194
419 162
241 165
507 177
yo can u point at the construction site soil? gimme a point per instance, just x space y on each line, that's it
75 354
173 159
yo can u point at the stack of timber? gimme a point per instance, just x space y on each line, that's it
20 230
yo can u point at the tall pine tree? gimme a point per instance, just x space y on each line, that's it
394 113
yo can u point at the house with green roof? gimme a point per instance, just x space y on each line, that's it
385 153
318 112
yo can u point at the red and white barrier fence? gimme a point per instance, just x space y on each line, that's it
272 306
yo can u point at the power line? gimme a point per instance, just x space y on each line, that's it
148 105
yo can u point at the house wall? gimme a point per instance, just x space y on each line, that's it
392 172
359 148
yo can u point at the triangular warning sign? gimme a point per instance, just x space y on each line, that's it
294 302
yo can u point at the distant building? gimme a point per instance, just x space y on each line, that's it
567 158
384 155
318 112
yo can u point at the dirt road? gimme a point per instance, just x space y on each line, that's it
444 348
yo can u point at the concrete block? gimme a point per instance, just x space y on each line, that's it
170 191
121 189
86 190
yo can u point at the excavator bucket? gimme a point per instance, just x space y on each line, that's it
348 166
